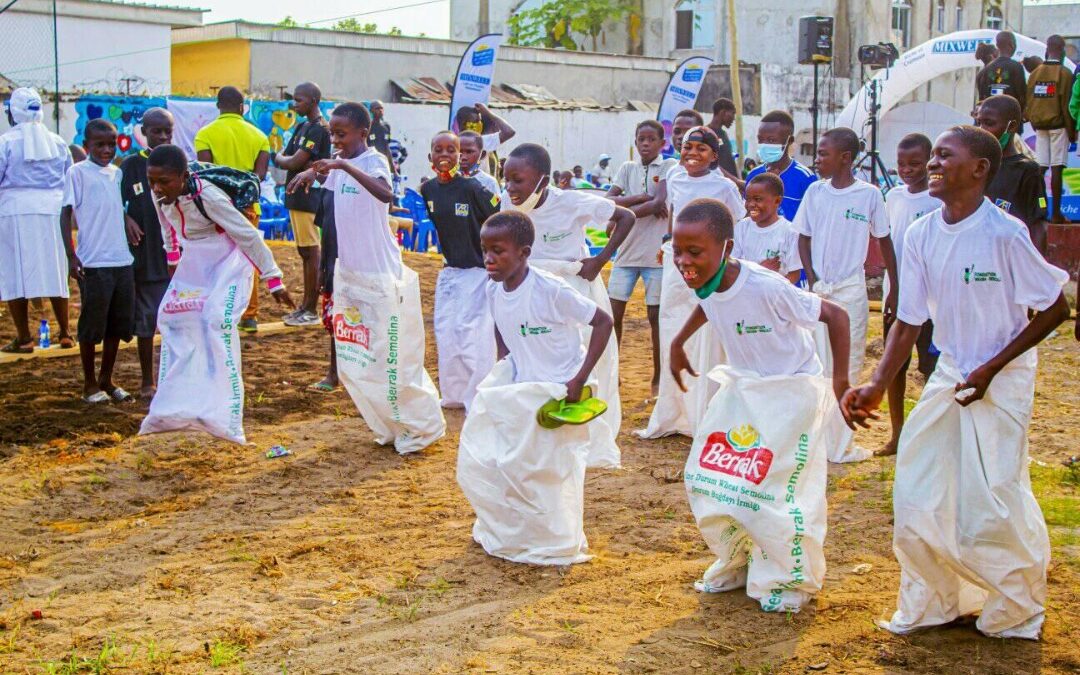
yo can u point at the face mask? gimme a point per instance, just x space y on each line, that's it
529 204
1005 139
478 127
770 153
445 176
712 284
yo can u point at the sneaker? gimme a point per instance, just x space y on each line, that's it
248 325
302 318
291 315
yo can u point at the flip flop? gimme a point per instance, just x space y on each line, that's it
14 347
118 395
96 397
321 388
554 414
67 342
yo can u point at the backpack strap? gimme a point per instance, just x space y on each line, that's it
197 199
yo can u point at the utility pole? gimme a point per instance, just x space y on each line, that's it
736 86
484 18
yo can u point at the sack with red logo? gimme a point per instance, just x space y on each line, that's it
969 534
525 483
675 411
607 368
755 478
379 338
851 295
200 385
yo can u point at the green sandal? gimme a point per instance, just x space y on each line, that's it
554 414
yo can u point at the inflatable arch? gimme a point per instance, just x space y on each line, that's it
916 67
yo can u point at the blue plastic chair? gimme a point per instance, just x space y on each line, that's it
423 228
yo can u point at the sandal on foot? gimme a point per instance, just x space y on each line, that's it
322 388
118 395
14 347
96 397
67 342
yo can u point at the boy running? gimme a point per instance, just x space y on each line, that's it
635 186
144 235
904 205
764 235
376 300
458 206
102 262
838 216
969 533
755 476
560 218
526 482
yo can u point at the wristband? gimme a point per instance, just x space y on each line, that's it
275 284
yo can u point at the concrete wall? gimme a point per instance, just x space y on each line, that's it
1042 21
198 68
95 54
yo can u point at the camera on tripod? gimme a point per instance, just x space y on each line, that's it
881 55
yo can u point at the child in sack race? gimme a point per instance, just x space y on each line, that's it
376 298
527 482
755 476
969 534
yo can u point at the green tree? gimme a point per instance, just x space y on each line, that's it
352 25
554 23
288 22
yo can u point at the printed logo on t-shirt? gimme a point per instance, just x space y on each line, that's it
1045 89
742 328
349 190
971 275
494 200
554 237
138 189
1003 204
737 452
527 330
461 209
309 144
349 327
772 253
852 214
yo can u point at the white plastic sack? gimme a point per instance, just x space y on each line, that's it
379 337
200 385
606 372
755 478
851 295
968 533
464 334
526 483
676 412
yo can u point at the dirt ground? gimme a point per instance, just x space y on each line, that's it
184 554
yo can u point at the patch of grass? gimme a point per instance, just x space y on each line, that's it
1057 488
9 639
144 462
110 657
439 586
223 653
239 553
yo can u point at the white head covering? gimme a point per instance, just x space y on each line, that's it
25 107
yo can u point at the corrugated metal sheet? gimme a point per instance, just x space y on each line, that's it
426 89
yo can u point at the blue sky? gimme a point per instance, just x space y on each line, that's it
431 17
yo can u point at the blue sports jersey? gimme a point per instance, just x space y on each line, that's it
797 178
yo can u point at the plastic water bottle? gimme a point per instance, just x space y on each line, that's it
43 335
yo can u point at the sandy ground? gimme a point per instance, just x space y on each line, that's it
185 554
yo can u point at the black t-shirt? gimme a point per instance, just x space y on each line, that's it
726 159
1003 76
324 218
458 209
138 200
379 137
1018 189
315 139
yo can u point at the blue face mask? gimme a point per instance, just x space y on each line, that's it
770 153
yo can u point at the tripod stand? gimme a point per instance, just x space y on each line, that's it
871 159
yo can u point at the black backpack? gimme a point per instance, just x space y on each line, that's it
242 187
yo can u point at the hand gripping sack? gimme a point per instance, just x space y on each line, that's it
606 372
755 478
968 532
851 295
199 380
676 412
464 334
525 483
379 337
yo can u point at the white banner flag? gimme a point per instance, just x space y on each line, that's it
472 83
682 91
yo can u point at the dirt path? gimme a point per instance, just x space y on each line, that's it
181 553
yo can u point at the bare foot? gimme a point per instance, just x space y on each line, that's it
655 389
888 450
147 392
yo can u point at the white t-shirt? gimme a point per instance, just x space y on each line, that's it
94 193
491 141
364 241
975 279
765 324
488 181
902 209
540 323
645 238
561 220
840 223
756 243
682 188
